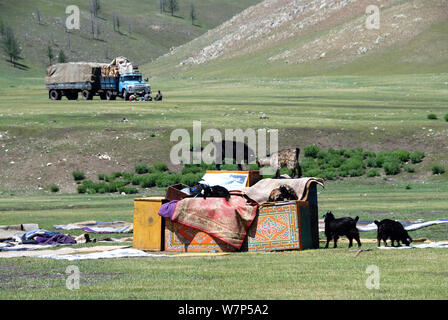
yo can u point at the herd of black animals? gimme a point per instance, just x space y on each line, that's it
334 227
387 229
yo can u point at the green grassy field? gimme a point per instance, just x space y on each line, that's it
375 113
338 112
378 101
312 274
315 274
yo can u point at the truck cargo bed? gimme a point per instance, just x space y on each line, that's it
70 86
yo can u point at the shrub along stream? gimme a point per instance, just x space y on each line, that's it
331 164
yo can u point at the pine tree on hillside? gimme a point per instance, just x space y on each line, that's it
98 30
50 54
116 22
193 16
61 57
162 4
94 7
10 45
173 6
93 13
69 42
37 15
92 25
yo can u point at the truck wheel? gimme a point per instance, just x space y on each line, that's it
72 95
55 95
110 95
87 95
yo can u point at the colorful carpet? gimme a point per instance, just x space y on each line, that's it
225 220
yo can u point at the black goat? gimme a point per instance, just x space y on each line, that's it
206 191
341 227
394 230
248 155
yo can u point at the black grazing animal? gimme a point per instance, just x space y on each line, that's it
341 227
394 230
248 155
206 191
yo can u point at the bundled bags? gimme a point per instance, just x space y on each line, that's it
123 64
109 71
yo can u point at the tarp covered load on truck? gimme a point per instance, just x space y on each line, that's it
71 72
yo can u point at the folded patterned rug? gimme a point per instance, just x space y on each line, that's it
226 220
260 191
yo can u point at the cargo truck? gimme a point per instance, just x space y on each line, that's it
87 79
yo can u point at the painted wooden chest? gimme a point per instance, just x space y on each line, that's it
278 226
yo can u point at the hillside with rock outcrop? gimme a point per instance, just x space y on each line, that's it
283 37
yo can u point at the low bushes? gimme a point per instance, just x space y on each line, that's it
333 164
141 169
416 156
191 179
402 155
438 169
311 151
128 190
191 168
330 165
391 166
149 180
54 188
373 173
160 166
144 177
78 175
166 180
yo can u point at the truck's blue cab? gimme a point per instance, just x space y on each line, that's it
132 83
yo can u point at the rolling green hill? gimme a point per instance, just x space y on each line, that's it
144 34
279 38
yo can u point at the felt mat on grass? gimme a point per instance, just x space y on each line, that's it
99 226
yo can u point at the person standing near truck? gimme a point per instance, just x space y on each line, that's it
159 96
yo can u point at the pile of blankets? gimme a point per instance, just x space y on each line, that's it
30 236
40 236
